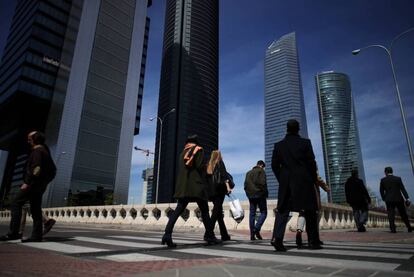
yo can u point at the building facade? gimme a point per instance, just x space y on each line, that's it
283 98
339 132
189 84
148 188
76 63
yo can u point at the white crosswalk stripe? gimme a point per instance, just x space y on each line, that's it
129 248
63 247
292 260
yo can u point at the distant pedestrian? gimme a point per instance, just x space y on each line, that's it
191 187
391 188
40 170
358 198
255 186
219 185
293 163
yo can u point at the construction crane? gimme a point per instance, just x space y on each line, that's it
146 151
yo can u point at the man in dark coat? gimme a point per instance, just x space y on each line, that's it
255 186
293 163
40 170
191 187
358 198
391 188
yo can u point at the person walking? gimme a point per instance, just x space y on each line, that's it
391 188
358 198
190 187
293 163
39 171
219 185
320 183
255 186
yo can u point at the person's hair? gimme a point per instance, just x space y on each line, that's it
215 158
261 163
37 137
292 126
388 170
354 173
192 139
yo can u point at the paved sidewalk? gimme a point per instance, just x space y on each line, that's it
127 252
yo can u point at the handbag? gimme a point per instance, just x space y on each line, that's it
236 209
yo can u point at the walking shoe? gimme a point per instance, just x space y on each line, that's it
10 237
48 226
32 240
410 230
315 246
257 234
225 238
252 237
213 241
278 245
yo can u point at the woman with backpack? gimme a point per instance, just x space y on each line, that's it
219 185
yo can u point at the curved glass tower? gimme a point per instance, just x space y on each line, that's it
189 83
283 98
339 132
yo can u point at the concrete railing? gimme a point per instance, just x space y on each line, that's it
151 216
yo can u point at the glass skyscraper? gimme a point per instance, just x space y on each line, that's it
340 140
74 70
283 98
189 83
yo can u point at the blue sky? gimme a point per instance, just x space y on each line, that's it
326 32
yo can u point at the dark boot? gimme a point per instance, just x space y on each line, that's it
213 241
278 245
167 239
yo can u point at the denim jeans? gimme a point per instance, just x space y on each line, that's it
262 204
360 217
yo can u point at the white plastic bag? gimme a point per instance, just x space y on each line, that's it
236 209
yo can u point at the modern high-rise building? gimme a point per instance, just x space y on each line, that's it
283 98
74 70
189 83
148 188
339 132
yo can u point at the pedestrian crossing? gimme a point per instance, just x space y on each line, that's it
140 248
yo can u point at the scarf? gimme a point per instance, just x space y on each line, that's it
191 149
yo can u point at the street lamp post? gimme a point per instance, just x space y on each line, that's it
389 52
161 120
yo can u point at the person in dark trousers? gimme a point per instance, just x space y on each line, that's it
40 170
358 198
191 187
255 186
391 188
219 185
293 163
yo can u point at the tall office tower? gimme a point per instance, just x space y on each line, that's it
339 131
148 189
283 98
189 83
70 69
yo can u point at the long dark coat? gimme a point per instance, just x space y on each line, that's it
356 194
190 182
391 188
293 163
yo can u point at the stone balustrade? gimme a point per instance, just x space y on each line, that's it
151 216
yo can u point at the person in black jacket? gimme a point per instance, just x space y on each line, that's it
255 186
219 185
40 170
358 198
391 188
294 165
